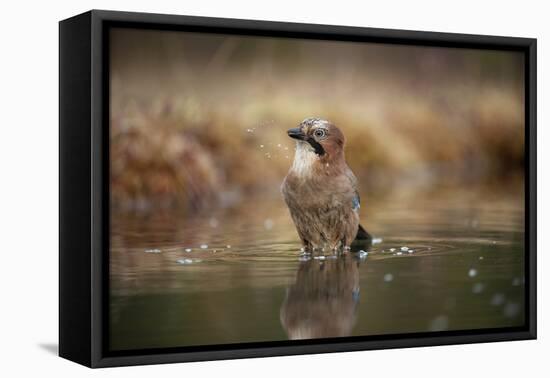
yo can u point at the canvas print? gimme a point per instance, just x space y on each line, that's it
271 189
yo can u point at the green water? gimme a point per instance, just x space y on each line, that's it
245 280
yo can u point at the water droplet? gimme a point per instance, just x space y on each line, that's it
376 240
261 146
477 288
388 277
411 251
472 272
392 249
188 250
153 250
439 323
399 253
268 224
481 257
204 246
497 299
511 309
404 249
228 246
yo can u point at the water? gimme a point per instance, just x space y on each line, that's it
237 275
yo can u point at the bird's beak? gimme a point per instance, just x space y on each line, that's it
296 133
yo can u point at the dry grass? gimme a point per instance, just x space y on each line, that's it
212 129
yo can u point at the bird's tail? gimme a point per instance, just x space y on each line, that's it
362 235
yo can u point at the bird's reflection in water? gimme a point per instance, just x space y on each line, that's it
323 299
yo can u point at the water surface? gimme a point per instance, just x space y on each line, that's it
452 260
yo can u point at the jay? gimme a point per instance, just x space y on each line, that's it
320 189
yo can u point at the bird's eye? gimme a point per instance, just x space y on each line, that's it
320 133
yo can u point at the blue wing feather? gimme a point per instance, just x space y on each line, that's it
356 202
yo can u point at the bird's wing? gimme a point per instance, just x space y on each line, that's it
351 177
356 200
362 234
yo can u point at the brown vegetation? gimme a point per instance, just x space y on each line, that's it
202 119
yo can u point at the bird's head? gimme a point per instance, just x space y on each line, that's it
320 137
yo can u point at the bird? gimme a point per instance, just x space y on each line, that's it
323 299
320 190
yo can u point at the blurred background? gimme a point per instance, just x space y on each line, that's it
200 120
203 250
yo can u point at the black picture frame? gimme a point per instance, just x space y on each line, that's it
84 187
